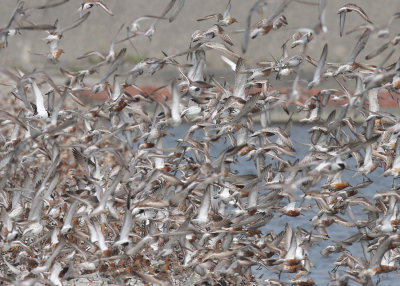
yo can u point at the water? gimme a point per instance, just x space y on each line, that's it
321 265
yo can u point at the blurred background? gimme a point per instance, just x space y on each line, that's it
98 31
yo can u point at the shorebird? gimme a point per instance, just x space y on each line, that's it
351 64
54 37
258 6
107 58
206 36
381 31
134 26
87 4
321 17
274 22
223 20
302 38
350 8
318 71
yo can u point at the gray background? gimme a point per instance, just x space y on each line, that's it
97 32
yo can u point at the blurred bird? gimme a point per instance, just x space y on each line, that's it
87 4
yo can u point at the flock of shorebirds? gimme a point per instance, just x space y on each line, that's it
95 192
